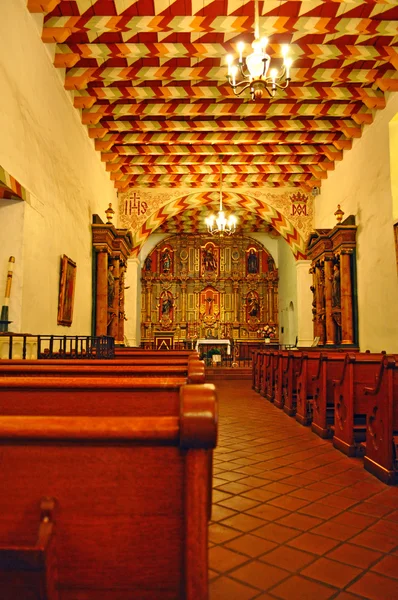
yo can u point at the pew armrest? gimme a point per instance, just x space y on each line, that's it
34 563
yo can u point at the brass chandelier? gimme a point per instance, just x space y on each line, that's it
254 74
220 224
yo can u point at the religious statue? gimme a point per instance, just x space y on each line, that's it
111 286
166 260
148 263
209 260
252 262
167 305
336 286
253 307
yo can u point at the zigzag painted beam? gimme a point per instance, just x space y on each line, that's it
58 29
304 186
78 78
114 160
227 169
346 126
225 149
212 180
339 140
217 149
87 98
68 55
46 6
357 111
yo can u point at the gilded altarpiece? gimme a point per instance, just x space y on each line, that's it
206 287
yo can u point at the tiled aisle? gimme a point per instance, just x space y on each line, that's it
293 518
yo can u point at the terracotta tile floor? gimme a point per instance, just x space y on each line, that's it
293 518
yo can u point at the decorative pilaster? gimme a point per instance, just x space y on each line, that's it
347 328
304 303
132 302
101 311
113 309
120 334
330 328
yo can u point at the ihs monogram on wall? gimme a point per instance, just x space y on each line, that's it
134 204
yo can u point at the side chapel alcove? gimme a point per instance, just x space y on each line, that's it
206 287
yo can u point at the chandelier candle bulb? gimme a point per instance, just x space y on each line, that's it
252 73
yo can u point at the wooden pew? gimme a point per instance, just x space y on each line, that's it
330 368
258 363
131 498
381 458
193 371
269 391
265 372
308 368
279 399
350 402
289 382
141 353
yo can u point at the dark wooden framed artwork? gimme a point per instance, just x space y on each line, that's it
67 283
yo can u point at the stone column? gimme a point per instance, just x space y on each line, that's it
132 302
304 303
347 328
114 309
330 335
101 311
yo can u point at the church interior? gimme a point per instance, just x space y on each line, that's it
204 258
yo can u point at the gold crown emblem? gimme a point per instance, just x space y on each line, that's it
299 198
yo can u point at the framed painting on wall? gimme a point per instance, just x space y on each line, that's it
66 291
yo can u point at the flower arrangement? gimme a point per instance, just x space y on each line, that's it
268 331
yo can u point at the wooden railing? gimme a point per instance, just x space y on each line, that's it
28 346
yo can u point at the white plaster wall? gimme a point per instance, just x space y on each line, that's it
12 226
287 292
361 184
394 165
46 148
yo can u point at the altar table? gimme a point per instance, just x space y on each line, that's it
203 342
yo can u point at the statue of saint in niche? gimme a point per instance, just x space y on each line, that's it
167 305
166 260
252 262
254 306
111 286
209 260
336 286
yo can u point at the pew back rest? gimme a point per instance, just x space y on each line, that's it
131 494
105 396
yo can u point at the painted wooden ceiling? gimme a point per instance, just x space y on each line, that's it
149 77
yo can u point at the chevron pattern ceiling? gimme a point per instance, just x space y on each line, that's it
150 79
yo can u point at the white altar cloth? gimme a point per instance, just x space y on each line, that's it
203 342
